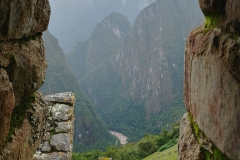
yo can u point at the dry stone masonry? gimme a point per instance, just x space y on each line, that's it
43 135
58 139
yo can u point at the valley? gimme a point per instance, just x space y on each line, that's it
135 78
121 80
129 71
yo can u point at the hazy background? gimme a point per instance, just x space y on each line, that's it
73 20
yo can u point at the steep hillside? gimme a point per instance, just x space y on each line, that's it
138 89
104 39
90 131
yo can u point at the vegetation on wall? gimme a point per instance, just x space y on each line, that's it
18 115
217 154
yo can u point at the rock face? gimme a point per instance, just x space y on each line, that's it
27 126
188 144
22 57
25 63
212 76
23 18
6 106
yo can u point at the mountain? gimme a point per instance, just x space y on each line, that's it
138 88
104 39
90 131
74 20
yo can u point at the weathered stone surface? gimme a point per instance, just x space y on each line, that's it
63 127
59 129
7 102
27 138
61 112
25 64
233 16
228 9
45 147
212 6
66 97
52 156
23 18
212 77
34 135
61 142
188 147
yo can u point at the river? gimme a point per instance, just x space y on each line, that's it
122 138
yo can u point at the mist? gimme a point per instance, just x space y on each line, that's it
73 20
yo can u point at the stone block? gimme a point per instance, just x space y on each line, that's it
61 142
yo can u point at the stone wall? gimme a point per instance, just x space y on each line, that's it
46 132
212 77
58 140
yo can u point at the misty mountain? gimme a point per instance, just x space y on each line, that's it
90 131
138 87
73 21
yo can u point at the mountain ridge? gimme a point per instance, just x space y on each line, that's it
141 79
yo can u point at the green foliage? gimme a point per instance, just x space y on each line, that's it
167 145
122 114
18 116
212 21
137 150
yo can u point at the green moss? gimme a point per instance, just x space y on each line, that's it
195 127
207 154
211 21
18 116
217 154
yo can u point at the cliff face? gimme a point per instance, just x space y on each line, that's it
150 61
212 76
22 59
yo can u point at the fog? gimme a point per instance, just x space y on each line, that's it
73 20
